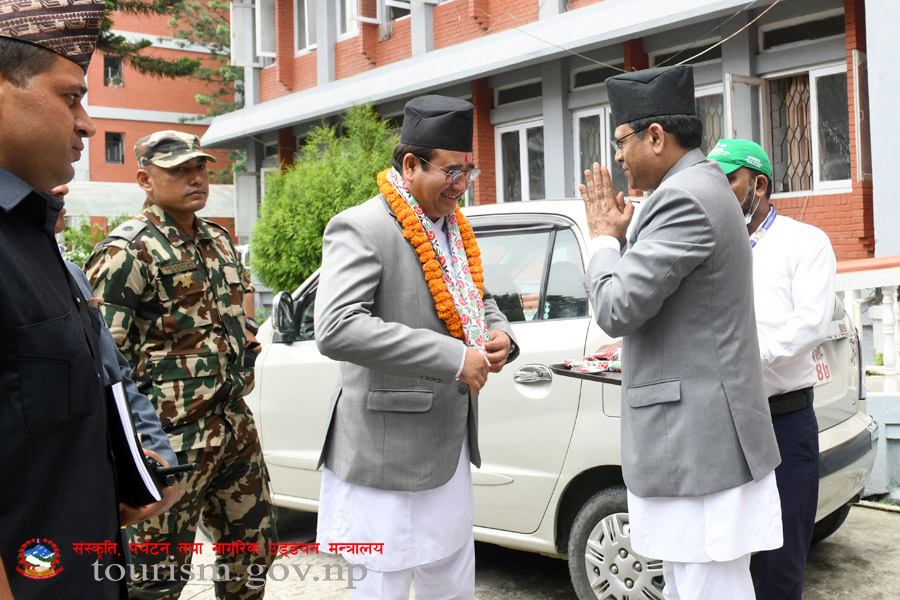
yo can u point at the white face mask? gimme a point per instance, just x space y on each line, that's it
748 216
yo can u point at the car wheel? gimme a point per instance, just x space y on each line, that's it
830 524
602 564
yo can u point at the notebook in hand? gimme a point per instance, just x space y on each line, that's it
136 485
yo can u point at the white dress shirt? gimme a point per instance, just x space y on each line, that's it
793 292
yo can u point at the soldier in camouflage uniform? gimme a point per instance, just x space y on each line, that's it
173 289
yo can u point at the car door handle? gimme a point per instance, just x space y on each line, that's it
533 374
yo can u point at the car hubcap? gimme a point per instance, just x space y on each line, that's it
614 570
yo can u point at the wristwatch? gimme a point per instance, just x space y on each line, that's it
252 325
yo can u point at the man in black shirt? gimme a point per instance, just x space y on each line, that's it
58 489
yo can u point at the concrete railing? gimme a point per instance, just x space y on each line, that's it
868 288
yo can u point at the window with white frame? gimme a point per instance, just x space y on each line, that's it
112 71
115 148
265 28
802 30
594 75
304 25
710 105
689 54
520 161
381 12
810 130
594 129
347 23
397 9
517 93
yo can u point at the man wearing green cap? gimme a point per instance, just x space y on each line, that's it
793 290
698 449
173 291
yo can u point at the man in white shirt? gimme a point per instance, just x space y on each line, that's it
793 290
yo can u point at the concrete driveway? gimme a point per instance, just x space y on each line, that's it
861 561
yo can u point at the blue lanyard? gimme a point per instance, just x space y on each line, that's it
762 229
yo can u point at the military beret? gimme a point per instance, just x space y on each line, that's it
67 27
438 122
651 93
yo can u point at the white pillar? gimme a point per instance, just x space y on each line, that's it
896 324
889 328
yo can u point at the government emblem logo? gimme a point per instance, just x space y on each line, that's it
39 559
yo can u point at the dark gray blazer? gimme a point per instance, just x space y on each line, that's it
695 417
116 369
398 416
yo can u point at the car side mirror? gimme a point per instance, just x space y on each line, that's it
283 319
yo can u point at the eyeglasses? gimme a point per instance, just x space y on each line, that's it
455 174
617 143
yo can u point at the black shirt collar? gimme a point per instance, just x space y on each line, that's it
41 213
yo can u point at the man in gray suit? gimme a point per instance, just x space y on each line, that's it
698 449
401 303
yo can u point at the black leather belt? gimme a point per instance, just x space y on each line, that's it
789 402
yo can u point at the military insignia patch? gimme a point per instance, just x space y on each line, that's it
186 280
39 559
179 267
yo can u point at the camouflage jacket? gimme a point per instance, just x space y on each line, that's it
174 305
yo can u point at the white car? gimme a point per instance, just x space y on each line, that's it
551 480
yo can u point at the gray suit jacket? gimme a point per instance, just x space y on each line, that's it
398 416
116 369
695 417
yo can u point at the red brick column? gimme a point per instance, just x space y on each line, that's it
99 222
284 43
635 60
287 145
635 57
478 12
859 222
483 143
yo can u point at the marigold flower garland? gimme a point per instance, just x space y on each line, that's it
415 234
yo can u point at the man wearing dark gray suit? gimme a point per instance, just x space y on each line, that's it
698 449
401 303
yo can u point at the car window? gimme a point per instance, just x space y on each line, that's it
518 276
566 297
525 285
514 270
305 317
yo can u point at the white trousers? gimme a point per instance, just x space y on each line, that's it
709 580
451 578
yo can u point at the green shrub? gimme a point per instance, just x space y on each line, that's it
333 173
79 241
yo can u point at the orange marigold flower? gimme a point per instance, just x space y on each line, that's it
413 231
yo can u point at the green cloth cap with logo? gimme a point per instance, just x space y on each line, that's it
168 149
734 154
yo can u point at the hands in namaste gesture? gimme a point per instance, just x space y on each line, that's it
607 213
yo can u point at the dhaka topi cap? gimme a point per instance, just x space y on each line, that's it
651 93
734 154
438 122
67 27
168 149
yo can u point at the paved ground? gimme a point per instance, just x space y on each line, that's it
859 562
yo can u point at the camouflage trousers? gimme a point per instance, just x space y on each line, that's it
230 488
